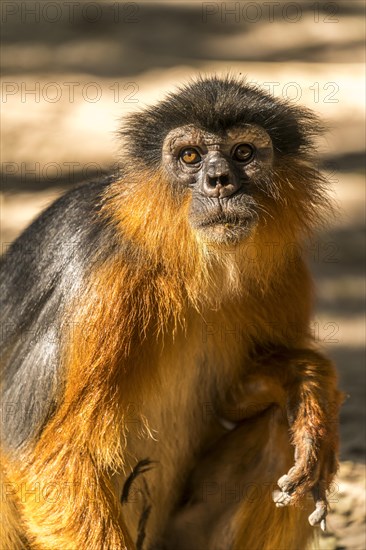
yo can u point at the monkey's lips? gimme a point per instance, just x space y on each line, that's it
225 227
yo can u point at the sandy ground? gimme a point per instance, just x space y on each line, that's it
67 83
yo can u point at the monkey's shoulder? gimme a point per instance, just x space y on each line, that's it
54 251
68 218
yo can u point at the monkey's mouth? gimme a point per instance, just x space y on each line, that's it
223 217
229 220
224 221
225 227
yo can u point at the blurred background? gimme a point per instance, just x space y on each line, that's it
72 70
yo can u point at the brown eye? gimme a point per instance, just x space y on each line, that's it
243 152
190 156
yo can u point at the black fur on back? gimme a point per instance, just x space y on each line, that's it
216 104
39 276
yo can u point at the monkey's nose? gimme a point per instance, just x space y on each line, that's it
218 182
219 187
217 167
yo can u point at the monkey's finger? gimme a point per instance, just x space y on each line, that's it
321 506
281 499
319 515
302 476
288 482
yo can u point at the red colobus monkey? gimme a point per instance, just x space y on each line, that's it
157 353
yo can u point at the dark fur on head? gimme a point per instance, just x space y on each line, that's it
215 104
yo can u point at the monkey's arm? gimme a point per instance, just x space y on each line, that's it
229 491
304 384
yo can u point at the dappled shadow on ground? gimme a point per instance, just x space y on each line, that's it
351 362
113 40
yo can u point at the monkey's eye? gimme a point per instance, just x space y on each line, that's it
243 152
190 156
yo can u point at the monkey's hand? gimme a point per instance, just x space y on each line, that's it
312 406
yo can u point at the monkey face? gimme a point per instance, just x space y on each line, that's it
222 171
241 160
